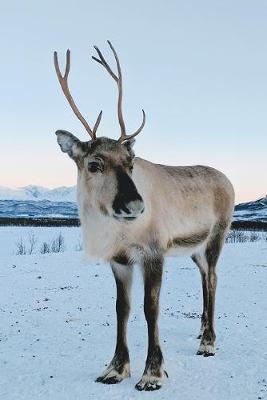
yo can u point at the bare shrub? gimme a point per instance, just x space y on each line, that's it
32 243
237 236
45 248
57 244
254 236
21 247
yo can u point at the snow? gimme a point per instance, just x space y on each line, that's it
58 325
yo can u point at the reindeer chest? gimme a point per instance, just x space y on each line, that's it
101 236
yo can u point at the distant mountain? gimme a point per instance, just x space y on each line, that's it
37 193
252 211
39 202
38 209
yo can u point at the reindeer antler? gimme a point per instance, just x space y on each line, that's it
63 80
118 80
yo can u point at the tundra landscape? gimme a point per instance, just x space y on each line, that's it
133 200
58 322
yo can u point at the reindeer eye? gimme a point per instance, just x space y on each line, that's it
94 167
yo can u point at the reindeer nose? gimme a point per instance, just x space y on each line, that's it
128 210
127 204
136 207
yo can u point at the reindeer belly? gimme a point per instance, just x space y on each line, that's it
186 229
187 244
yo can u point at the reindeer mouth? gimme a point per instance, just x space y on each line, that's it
129 211
130 218
123 218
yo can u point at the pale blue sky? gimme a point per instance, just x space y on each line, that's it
198 68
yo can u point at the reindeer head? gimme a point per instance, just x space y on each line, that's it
105 165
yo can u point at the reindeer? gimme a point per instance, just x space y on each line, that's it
133 211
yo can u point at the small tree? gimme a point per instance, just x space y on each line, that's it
32 242
45 248
21 247
57 244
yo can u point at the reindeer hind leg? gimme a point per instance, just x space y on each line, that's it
200 260
211 255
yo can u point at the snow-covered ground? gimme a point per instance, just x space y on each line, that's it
58 330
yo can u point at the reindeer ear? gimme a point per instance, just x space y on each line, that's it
71 145
129 146
129 143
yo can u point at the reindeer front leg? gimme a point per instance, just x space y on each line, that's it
154 374
119 367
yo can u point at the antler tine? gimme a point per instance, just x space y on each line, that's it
96 125
67 69
101 60
118 79
63 80
131 136
119 83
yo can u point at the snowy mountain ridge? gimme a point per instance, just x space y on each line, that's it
38 193
36 202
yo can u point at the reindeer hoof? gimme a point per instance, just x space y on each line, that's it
111 376
109 381
205 354
206 350
150 383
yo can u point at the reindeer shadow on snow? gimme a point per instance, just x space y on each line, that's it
135 211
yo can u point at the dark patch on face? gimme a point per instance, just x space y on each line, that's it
103 209
122 258
126 192
188 241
